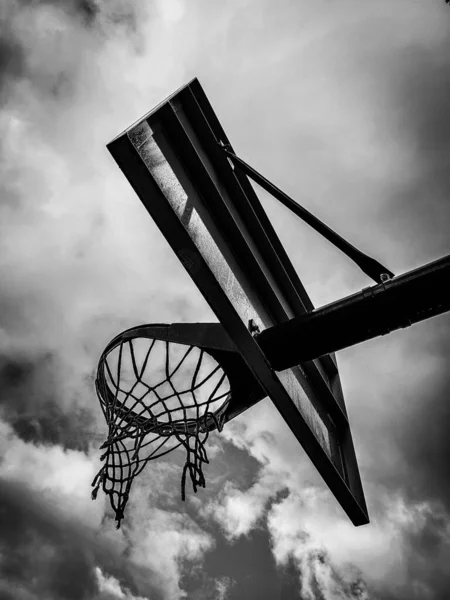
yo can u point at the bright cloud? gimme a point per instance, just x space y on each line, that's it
111 589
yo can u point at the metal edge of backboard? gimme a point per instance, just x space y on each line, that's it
169 117
313 369
172 128
147 189
210 130
154 109
205 107
195 101
217 225
195 90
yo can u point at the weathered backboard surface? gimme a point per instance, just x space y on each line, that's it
212 218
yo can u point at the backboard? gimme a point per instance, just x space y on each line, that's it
210 215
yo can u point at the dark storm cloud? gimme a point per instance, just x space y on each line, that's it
46 553
32 389
104 18
351 588
429 556
420 213
39 553
420 87
43 553
34 398
102 14
415 219
12 59
88 12
424 437
87 9
317 578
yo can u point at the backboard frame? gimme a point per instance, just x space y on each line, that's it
213 220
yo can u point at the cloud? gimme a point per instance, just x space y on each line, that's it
390 558
341 104
41 554
170 543
414 214
63 216
49 469
70 244
381 554
111 589
223 586
238 512
49 520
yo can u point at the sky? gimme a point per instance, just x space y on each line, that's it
341 103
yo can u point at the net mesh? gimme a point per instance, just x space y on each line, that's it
156 396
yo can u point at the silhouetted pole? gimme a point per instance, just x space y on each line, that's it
367 264
377 310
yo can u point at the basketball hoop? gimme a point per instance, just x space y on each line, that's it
158 395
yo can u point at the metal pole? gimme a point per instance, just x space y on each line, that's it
367 264
377 310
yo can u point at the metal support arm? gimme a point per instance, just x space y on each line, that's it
367 264
378 310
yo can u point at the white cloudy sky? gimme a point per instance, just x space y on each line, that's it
345 105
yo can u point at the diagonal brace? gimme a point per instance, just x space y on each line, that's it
367 264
